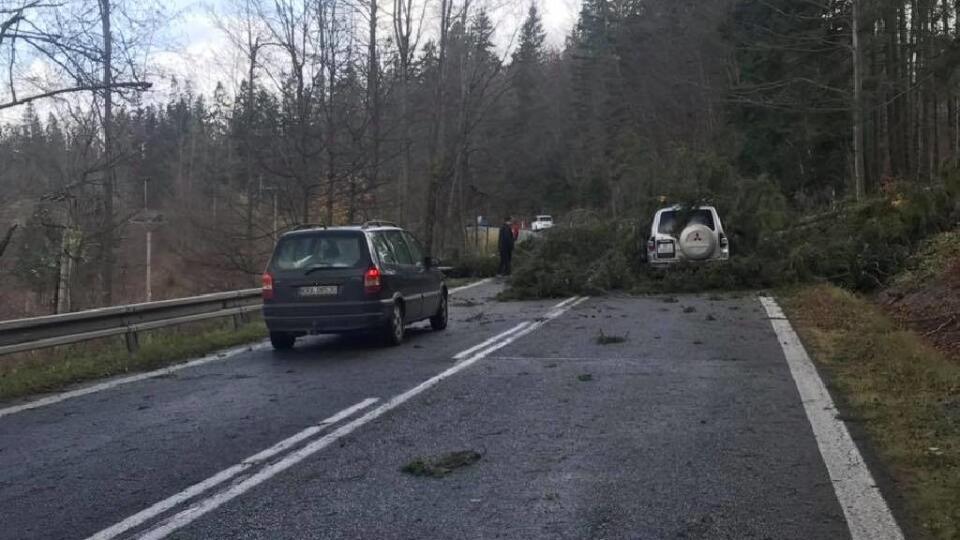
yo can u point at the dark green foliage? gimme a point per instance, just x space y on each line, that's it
859 247
577 260
37 261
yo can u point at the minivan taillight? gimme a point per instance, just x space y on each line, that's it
267 286
371 280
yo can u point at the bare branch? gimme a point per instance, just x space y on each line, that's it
7 238
141 86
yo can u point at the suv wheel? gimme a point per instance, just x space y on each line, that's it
282 341
395 329
439 321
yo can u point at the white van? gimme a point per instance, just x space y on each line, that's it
542 223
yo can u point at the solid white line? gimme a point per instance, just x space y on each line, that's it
213 502
565 302
257 459
470 286
867 513
215 357
463 354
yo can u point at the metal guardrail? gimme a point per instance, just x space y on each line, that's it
51 331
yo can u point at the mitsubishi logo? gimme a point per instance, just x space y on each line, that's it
696 236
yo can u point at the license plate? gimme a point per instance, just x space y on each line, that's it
665 249
326 290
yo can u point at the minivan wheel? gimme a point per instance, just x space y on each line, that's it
439 321
282 341
395 329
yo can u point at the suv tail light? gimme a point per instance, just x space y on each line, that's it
267 286
724 243
651 245
371 280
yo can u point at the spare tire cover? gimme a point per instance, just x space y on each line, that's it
697 242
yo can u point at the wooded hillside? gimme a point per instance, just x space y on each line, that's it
347 110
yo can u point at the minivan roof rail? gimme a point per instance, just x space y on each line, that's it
306 226
379 223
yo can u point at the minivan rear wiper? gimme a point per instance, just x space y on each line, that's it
317 268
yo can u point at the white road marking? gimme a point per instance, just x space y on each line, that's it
475 348
56 398
565 302
253 461
213 502
868 516
470 286
215 357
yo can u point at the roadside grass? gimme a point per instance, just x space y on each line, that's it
905 393
52 369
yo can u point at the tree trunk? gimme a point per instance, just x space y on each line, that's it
65 278
107 233
857 105
373 101
438 159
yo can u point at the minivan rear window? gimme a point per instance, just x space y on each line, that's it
321 250
669 225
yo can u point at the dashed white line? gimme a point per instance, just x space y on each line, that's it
229 473
868 516
213 502
475 348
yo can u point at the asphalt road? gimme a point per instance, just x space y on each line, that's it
690 428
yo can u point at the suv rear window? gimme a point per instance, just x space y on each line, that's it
321 250
669 225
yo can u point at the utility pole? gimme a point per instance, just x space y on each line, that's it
146 210
150 221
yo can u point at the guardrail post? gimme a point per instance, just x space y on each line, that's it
133 342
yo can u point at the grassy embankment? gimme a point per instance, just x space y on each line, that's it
49 370
904 392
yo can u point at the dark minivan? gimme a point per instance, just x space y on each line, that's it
334 280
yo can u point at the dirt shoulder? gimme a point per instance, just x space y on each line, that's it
897 388
926 298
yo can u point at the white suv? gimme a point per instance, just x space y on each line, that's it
686 234
542 223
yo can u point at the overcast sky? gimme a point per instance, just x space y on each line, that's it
191 48
202 55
